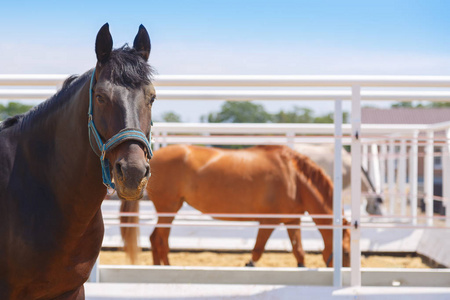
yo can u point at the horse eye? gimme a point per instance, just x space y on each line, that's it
99 99
152 99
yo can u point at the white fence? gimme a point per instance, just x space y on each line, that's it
353 88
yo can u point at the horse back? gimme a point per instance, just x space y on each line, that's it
253 180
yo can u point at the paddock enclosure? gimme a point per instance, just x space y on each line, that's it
390 152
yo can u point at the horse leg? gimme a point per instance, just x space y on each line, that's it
155 242
159 240
164 243
296 241
261 240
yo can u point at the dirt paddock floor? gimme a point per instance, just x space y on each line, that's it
269 259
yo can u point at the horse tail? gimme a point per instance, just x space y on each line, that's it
130 235
314 173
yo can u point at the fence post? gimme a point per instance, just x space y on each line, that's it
337 195
374 169
383 156
163 136
155 137
401 178
446 176
290 139
355 254
428 180
365 157
414 152
391 176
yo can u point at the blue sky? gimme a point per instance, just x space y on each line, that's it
234 37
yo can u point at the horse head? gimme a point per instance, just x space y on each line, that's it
373 204
122 96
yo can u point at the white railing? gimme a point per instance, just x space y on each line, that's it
355 134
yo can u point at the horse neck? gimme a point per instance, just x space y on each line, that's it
315 192
314 204
366 183
84 175
74 170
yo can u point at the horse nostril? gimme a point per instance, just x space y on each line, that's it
147 171
119 171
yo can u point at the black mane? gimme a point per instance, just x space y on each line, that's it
70 86
8 122
128 68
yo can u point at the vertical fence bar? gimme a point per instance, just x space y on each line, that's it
428 180
355 255
155 136
374 168
365 157
401 171
383 152
391 176
290 139
337 195
163 136
413 175
446 176
207 134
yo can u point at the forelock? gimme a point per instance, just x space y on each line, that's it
128 68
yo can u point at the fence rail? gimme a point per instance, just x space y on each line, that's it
250 80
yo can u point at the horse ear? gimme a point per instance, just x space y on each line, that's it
103 44
142 43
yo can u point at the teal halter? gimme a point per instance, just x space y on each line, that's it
103 148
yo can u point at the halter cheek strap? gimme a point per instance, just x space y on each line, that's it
101 149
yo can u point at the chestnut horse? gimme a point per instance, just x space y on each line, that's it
51 179
257 180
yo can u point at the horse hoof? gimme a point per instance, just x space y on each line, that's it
300 265
250 264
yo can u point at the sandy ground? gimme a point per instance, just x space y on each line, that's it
269 259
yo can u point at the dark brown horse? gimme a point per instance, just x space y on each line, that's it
51 178
257 180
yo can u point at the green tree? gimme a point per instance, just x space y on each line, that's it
239 112
170 116
420 105
304 115
440 104
329 118
402 105
12 109
298 115
247 112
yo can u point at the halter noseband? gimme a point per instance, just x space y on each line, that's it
120 137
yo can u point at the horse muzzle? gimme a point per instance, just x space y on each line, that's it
131 172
